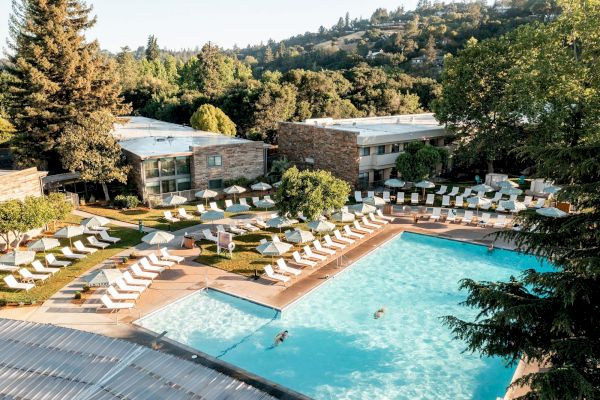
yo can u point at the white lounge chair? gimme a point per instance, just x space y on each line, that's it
445 201
110 305
275 276
124 287
107 238
268 198
138 273
283 267
148 267
430 199
165 255
96 243
436 214
468 218
260 223
331 244
414 198
8 268
452 217
12 283
38 267
386 196
208 235
380 215
308 253
234 229
275 239
200 209
255 200
169 217
302 261
69 254
527 201
370 193
500 222
400 198
368 224
160 263
443 189
29 277
485 219
83 249
481 194
360 228
459 202
250 227
115 295
467 192
53 262
338 236
182 213
350 233
454 191
540 203
213 206
130 280
497 197
228 203
243 201
513 197
358 197
320 249
372 218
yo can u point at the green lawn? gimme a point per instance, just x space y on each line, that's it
42 291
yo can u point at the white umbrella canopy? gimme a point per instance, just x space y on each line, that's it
237 208
478 201
273 248
374 201
18 257
158 238
551 212
395 183
343 216
43 244
362 208
206 194
264 204
174 200
511 191
235 189
483 188
69 232
260 186
512 205
552 189
425 184
277 184
95 221
279 222
507 184
299 236
321 226
212 215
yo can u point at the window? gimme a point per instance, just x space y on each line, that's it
167 186
184 184
381 149
215 183
396 148
183 165
151 168
215 161
167 166
153 187
363 180
365 151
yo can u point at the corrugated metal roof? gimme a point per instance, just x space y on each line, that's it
49 362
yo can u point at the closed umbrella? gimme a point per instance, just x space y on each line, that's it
44 244
260 186
18 257
264 204
174 200
235 189
425 185
212 215
362 208
507 184
374 201
237 208
478 201
206 194
69 232
272 249
95 221
511 191
158 238
299 236
395 183
483 188
343 216
321 226
279 222
551 212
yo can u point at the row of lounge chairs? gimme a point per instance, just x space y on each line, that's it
183 215
137 279
468 218
460 199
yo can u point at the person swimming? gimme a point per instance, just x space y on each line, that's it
280 338
490 248
379 313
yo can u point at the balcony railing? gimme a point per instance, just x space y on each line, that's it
378 160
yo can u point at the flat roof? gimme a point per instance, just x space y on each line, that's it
389 129
146 137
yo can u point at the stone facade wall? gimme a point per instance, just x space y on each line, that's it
332 150
238 160
16 185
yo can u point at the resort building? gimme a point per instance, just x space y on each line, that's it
168 158
18 184
362 151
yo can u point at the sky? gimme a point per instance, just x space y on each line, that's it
182 24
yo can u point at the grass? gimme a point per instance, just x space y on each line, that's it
43 291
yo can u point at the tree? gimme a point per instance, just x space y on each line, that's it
310 193
212 119
19 216
274 103
58 77
551 317
152 50
88 147
419 161
7 131
268 56
347 20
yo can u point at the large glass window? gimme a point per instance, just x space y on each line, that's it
183 165
167 166
381 149
215 161
184 184
215 183
168 185
363 180
365 151
396 147
153 187
151 168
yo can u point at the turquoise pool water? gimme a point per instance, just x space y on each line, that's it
337 350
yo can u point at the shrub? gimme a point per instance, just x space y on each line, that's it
77 295
126 201
86 288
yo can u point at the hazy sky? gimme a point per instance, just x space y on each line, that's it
190 23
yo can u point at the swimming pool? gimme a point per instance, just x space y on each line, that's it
336 349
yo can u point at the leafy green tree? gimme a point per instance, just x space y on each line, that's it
551 317
152 50
273 104
7 131
310 193
59 78
419 161
17 217
88 147
212 119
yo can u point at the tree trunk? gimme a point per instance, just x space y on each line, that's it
105 189
490 166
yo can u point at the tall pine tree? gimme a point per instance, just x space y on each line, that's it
152 50
59 78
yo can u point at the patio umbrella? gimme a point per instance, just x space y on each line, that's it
374 201
235 189
212 215
95 221
478 201
18 257
393 182
158 238
482 187
507 184
362 208
174 200
511 191
206 194
551 189
343 216
512 205
279 222
237 208
103 277
264 204
299 236
425 185
551 212
260 186
44 244
69 232
277 184
272 249
321 226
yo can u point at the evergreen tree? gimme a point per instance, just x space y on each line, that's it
268 56
152 50
347 20
58 77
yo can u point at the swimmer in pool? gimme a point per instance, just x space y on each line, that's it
280 338
490 248
379 313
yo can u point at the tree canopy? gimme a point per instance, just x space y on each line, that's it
419 161
212 119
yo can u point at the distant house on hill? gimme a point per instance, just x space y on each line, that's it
377 54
